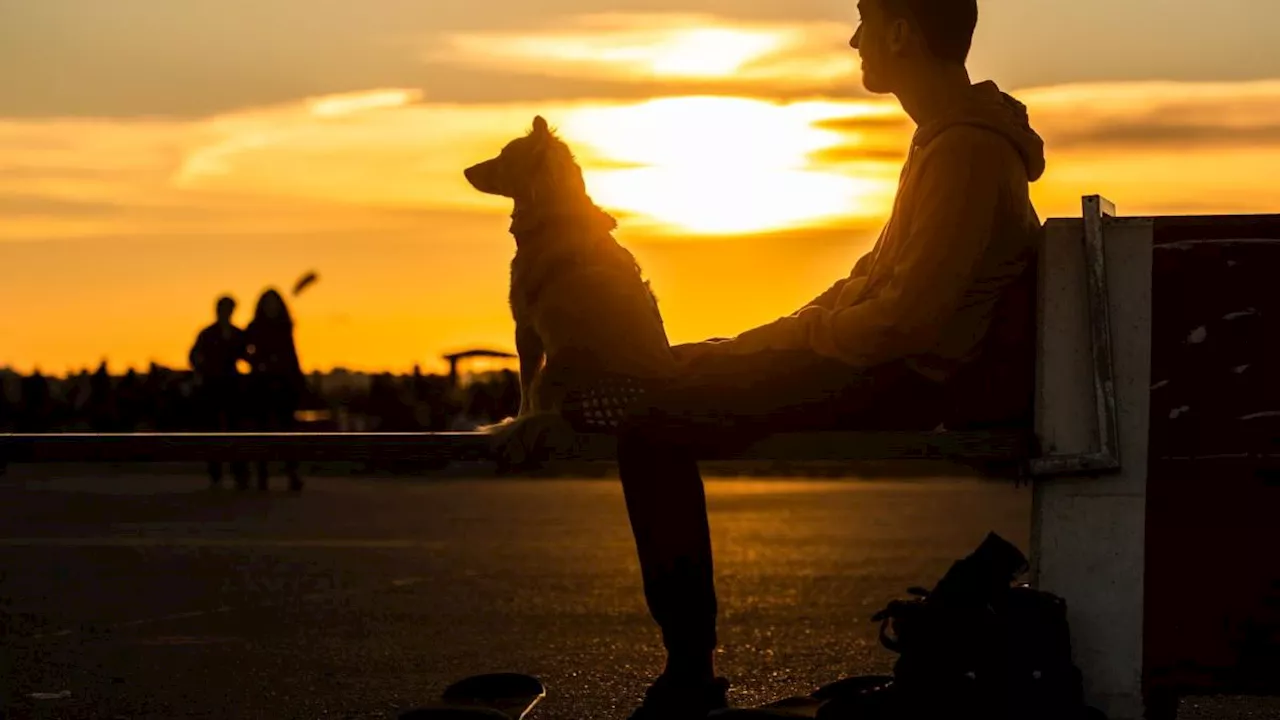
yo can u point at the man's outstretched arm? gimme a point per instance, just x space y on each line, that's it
859 275
827 299
949 233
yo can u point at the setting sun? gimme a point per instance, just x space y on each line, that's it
720 165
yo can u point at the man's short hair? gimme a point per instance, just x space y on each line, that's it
947 25
226 304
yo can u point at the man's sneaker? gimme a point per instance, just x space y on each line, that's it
675 700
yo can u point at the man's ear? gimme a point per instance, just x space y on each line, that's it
899 36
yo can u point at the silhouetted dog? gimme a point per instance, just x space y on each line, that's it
578 299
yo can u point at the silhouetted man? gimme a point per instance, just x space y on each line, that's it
936 315
214 357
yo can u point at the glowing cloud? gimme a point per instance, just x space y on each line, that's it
707 165
348 104
672 48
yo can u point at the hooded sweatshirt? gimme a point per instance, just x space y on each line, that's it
962 231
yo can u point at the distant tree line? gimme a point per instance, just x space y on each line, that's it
164 400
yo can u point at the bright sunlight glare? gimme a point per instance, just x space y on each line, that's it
713 165
688 53
660 46
710 52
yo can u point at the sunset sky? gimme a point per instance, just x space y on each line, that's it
156 153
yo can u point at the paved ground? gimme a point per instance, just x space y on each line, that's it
150 596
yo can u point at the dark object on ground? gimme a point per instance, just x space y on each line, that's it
976 646
498 696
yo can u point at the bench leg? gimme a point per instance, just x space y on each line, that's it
1088 531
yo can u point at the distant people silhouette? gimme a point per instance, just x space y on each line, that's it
276 382
933 325
35 409
219 386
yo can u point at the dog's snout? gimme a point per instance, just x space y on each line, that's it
481 177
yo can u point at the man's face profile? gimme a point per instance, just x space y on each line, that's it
870 42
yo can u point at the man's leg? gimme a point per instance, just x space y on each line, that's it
718 405
668 510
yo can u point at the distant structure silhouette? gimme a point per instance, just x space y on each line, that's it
219 388
454 358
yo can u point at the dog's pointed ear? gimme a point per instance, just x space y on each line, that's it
540 126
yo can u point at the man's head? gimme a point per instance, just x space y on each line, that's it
903 39
225 307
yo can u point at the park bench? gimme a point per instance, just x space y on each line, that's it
1014 449
1104 533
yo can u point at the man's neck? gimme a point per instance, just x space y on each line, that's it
928 96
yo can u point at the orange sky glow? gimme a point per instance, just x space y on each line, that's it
745 166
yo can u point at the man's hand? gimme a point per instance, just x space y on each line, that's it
777 335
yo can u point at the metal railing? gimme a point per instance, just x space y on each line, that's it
984 446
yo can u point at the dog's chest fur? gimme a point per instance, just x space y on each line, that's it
528 275
584 300
549 257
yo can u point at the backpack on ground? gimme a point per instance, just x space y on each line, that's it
978 646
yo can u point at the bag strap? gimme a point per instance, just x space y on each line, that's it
892 612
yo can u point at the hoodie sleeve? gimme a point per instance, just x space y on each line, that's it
954 203
828 298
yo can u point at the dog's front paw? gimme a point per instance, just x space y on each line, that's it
496 427
527 441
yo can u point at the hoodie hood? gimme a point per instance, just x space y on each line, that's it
988 107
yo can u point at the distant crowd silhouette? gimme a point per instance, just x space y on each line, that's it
250 379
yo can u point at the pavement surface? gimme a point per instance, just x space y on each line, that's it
128 595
